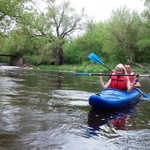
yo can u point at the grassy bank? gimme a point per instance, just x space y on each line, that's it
87 68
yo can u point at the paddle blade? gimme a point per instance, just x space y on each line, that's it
95 58
145 95
142 93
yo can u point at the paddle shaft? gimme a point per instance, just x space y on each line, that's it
97 74
107 67
97 59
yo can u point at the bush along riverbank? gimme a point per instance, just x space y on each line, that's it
85 68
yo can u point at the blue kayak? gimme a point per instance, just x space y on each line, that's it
113 98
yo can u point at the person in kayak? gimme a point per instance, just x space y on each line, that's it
119 81
131 78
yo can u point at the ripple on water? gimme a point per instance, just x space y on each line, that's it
71 97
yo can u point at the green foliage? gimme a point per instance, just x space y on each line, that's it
123 27
58 67
31 59
125 37
143 42
92 40
77 50
73 53
86 67
9 14
143 50
5 59
17 44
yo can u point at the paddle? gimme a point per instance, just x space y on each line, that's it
144 94
96 59
97 74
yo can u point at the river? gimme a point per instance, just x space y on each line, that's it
49 110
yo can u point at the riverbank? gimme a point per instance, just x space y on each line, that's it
86 68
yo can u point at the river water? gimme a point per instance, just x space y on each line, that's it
49 110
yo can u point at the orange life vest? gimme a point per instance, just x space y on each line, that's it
131 78
118 82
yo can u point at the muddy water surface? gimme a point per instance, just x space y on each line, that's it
49 110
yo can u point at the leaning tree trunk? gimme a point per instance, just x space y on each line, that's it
141 66
60 55
130 55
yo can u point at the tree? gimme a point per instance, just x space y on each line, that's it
128 37
146 12
144 41
53 27
9 13
123 29
62 21
91 41
21 35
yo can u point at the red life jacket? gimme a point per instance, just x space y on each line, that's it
118 82
131 78
119 123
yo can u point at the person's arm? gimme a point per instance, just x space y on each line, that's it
131 86
104 86
137 84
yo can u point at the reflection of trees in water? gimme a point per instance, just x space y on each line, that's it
145 85
58 80
120 119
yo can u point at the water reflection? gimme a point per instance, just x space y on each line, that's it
111 120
